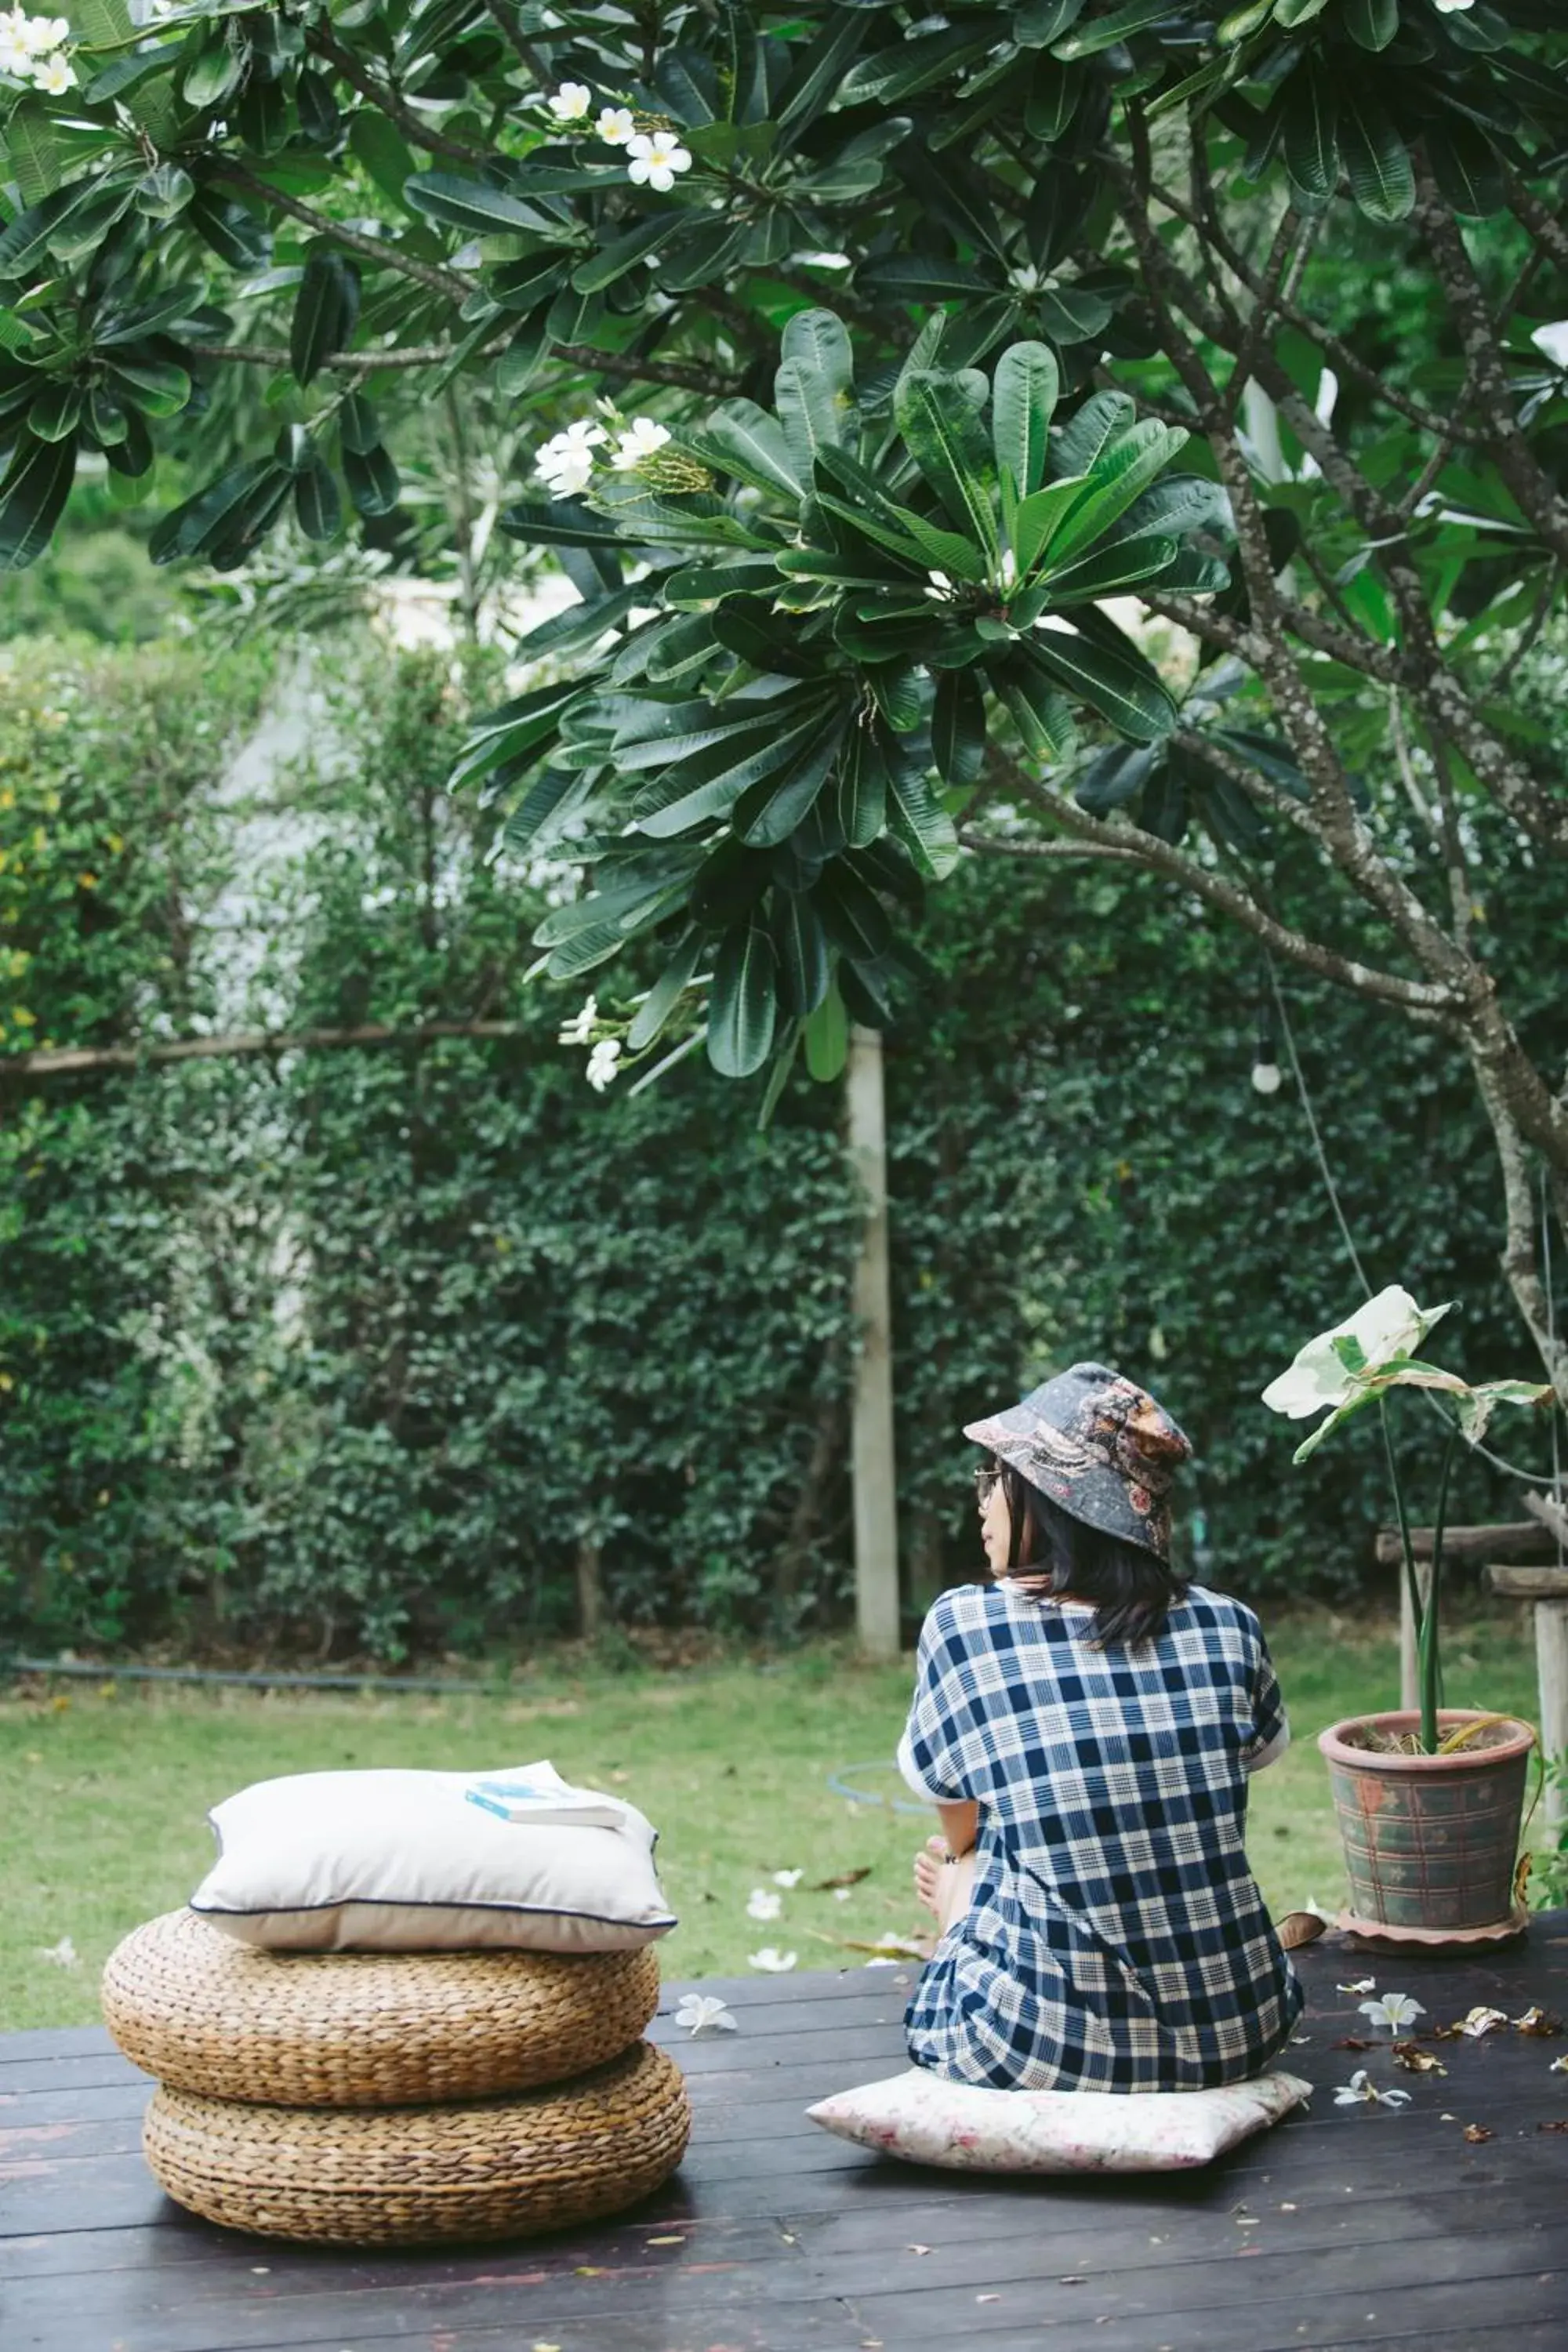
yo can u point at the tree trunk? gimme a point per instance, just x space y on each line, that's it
590 1589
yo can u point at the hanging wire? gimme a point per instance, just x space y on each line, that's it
1498 1461
1313 1130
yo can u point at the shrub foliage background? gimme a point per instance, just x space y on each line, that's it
366 1350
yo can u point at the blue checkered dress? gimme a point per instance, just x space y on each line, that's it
1116 1939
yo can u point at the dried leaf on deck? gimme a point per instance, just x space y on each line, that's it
1540 2022
1478 2132
1417 2061
1355 2041
1553 2122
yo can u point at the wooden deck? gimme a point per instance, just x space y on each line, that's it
1342 2227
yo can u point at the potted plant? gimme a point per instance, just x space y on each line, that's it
1428 1801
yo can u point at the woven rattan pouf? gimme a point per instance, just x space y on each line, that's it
409 2176
206 2014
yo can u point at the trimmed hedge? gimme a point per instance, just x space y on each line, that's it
388 1350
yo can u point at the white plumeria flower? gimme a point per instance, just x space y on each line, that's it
13 58
1552 340
1009 568
938 584
579 1028
1480 2020
568 476
566 463
640 439
1360 2091
772 1963
602 1062
761 1904
657 157
1388 1325
571 102
1395 2008
788 1877
616 125
703 2012
55 75
1452 8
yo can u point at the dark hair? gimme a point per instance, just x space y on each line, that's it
1130 1589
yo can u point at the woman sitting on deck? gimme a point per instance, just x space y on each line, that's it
1085 1724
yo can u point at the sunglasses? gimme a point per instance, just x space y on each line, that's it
985 1484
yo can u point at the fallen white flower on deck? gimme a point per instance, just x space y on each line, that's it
788 1877
62 1955
704 2013
1358 1984
1481 2020
761 1905
770 1962
1361 2091
1395 2009
1559 2065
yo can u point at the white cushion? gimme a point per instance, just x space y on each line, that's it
967 2128
395 1861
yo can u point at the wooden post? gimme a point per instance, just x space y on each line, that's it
590 1589
1552 1670
1547 1590
872 1436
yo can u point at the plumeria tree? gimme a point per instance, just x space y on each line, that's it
987 429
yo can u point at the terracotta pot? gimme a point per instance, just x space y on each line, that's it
1429 1841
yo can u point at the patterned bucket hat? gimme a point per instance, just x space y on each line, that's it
1097 1445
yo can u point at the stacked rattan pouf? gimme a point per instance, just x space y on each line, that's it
382 2098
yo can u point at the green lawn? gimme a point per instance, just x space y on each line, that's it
104 1791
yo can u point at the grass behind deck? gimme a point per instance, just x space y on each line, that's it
104 1792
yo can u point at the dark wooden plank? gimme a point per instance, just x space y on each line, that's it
52 2041
1254 2303
790 2242
718 2264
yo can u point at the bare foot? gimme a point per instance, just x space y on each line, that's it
929 1864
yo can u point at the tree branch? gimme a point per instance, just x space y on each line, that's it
1520 1258
1163 857
417 355
452 283
507 23
322 44
1536 493
75 1061
1549 233
991 844
1421 668
578 355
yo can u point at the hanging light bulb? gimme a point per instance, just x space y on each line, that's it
1266 1075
